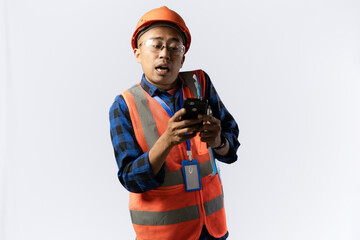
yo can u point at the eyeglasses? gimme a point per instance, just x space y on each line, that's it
156 46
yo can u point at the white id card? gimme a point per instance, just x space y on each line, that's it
191 175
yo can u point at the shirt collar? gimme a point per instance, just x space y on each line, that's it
151 89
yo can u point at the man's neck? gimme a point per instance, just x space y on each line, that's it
173 90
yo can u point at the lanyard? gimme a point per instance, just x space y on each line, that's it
168 110
165 106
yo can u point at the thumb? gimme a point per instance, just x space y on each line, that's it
178 114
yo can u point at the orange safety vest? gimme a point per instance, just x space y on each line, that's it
169 212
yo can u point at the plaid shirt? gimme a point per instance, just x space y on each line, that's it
135 172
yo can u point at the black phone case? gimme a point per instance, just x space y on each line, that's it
194 107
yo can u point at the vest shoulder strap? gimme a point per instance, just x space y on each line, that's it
146 117
195 81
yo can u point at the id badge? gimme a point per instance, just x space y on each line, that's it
191 175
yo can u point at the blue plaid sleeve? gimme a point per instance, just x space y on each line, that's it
135 172
229 127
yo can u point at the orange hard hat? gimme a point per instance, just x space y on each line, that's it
162 14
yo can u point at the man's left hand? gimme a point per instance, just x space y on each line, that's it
210 131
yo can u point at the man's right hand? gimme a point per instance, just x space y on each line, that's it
179 130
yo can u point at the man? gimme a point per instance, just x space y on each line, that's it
165 161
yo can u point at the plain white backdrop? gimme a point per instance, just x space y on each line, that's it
288 71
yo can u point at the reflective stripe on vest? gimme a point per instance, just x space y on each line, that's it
214 205
146 117
176 216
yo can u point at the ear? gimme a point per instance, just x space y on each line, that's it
182 61
137 55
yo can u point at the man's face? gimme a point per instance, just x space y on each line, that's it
161 68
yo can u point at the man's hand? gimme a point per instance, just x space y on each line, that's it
210 131
179 130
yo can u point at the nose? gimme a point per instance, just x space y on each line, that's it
164 52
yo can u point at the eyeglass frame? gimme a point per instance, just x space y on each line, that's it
164 45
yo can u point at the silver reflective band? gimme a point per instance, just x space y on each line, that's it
152 218
165 217
146 117
175 177
214 205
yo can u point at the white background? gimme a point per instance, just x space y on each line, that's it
288 71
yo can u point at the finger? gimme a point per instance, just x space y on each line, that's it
196 124
207 139
208 134
206 127
209 118
189 136
178 114
184 137
187 130
190 122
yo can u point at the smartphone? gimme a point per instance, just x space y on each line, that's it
194 107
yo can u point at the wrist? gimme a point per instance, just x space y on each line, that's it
165 140
223 143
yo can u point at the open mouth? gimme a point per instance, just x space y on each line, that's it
162 69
